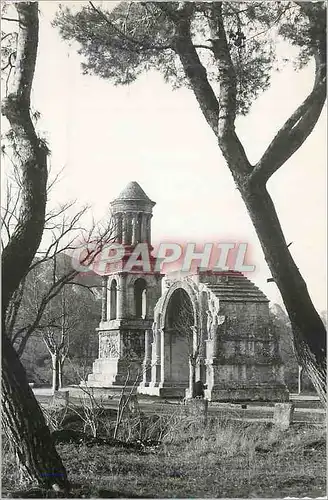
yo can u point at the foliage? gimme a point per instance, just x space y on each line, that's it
135 37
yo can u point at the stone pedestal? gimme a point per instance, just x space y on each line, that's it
60 398
197 409
121 352
283 415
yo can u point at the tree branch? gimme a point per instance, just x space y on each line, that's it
9 63
229 142
193 67
300 124
12 19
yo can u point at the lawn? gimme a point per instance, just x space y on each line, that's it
224 459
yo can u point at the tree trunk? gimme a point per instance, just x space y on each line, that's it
300 377
32 154
55 371
25 426
308 329
23 420
61 362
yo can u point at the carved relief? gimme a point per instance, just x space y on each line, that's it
109 346
133 345
214 319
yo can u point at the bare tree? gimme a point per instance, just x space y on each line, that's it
52 271
56 339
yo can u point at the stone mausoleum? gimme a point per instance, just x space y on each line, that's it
154 327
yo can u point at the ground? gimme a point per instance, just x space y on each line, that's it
225 459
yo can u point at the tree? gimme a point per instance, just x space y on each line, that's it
80 312
68 318
293 371
22 417
51 271
36 308
56 339
224 52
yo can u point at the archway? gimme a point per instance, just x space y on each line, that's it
113 299
140 298
179 339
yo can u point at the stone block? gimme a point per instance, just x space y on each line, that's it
197 409
283 415
60 398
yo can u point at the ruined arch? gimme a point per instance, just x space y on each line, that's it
179 313
160 313
177 320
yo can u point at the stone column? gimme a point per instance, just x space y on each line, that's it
121 297
148 228
165 355
119 228
202 356
143 234
156 359
124 229
104 298
147 360
128 218
135 229
139 218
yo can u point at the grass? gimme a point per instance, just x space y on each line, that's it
225 459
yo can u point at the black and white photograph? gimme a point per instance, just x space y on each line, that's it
164 249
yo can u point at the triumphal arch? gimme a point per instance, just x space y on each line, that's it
210 327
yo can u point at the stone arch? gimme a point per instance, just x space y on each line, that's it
192 294
179 312
178 337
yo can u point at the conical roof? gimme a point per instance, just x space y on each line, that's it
133 191
131 199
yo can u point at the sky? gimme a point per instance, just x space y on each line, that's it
105 136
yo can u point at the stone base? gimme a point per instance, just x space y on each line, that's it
60 398
197 409
258 393
283 415
107 392
108 372
163 391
